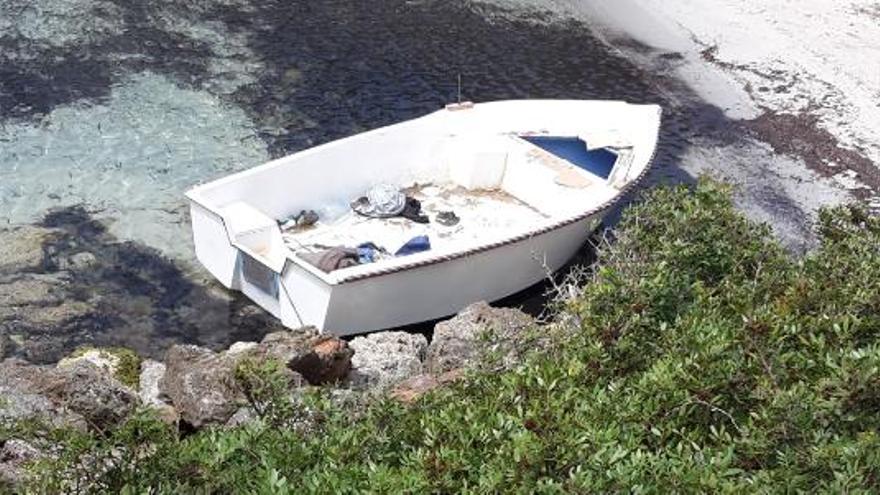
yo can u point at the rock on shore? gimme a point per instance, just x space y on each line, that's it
81 395
14 456
480 335
201 383
318 358
198 387
384 359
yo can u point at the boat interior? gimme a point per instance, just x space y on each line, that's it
497 187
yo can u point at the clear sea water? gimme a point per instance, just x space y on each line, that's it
111 109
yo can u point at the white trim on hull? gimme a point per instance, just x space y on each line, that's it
425 286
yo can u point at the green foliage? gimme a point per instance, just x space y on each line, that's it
705 359
266 384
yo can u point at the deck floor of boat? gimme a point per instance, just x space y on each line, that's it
484 215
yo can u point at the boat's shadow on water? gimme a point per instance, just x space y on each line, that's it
106 292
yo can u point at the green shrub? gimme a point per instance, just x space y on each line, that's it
705 359
266 384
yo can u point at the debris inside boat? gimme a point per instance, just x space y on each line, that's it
414 221
480 214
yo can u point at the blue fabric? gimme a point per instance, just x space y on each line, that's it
367 252
415 245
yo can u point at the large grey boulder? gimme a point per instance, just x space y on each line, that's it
480 336
201 385
79 395
318 358
383 359
91 392
22 398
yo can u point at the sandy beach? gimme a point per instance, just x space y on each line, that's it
801 79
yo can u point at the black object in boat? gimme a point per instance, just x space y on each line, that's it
447 218
306 218
413 211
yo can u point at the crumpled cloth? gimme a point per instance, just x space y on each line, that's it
335 258
381 201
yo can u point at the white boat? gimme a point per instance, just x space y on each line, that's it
529 180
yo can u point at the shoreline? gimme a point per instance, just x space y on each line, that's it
819 55
792 81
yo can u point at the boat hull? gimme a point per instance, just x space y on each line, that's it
483 147
394 299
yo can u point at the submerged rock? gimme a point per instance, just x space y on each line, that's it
23 248
78 261
201 385
477 335
34 305
72 283
384 359
35 300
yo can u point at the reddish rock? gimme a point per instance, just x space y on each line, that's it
319 359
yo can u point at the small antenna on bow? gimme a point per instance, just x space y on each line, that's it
461 105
